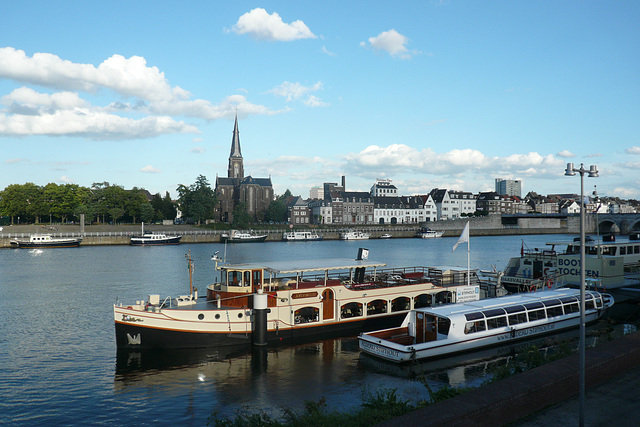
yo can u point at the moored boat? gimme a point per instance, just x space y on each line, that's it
386 236
46 241
153 239
427 233
608 265
354 235
301 236
443 331
288 301
237 236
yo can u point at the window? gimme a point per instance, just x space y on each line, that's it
537 315
477 326
423 300
400 304
306 315
352 309
496 322
378 306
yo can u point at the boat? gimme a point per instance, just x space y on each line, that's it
153 239
427 233
301 236
448 330
354 235
287 301
46 241
608 265
386 236
237 236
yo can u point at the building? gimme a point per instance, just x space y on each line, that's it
383 188
298 211
509 187
462 203
255 193
357 208
494 203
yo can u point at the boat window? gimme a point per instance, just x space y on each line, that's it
494 312
247 278
422 300
551 302
352 309
257 277
572 308
537 315
474 316
569 299
306 315
533 305
497 322
400 304
443 325
589 304
555 310
636 249
234 278
477 326
514 308
623 250
376 307
516 318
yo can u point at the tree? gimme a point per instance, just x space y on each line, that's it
276 211
147 212
241 218
198 200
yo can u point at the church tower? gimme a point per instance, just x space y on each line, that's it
236 165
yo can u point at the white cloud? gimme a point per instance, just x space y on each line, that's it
633 150
261 26
566 154
293 91
314 101
197 150
326 51
391 42
65 180
150 169
155 102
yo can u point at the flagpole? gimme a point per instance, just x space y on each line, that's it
468 259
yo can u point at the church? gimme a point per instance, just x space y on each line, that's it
255 193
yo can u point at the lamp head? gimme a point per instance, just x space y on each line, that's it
593 171
569 171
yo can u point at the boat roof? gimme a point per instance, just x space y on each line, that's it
515 299
592 242
304 266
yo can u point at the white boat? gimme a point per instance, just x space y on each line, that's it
301 236
447 330
297 300
153 239
354 235
386 236
237 236
608 265
46 241
427 233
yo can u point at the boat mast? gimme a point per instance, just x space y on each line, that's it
190 266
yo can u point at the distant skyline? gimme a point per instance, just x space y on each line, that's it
446 94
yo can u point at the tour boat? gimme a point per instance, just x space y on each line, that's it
288 301
608 265
443 331
301 236
237 236
153 239
427 233
354 235
46 241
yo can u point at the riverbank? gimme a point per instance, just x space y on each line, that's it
547 395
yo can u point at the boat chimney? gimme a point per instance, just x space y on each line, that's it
260 311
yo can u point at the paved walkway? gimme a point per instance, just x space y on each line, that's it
548 395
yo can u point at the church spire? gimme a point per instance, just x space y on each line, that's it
236 166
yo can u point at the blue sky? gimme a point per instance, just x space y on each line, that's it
447 94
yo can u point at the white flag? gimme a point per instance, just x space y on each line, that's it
464 237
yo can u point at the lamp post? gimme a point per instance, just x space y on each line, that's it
593 173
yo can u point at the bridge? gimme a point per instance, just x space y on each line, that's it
614 223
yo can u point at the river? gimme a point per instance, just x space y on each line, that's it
58 359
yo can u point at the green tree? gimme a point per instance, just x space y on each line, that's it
241 218
13 201
276 211
198 200
147 212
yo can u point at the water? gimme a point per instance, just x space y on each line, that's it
58 360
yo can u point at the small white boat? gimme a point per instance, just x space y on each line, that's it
446 330
301 236
46 241
386 236
427 233
237 236
354 235
153 239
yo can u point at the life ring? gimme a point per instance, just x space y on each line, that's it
549 283
532 288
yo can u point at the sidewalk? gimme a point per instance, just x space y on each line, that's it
548 395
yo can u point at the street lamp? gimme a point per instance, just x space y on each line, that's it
593 173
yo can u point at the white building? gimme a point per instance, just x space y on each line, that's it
383 188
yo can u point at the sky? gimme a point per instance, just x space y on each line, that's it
429 94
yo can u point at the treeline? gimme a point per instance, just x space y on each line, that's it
102 202
107 203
